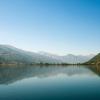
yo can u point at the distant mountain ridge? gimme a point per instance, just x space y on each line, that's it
70 58
13 55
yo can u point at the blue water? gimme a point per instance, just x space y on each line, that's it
49 83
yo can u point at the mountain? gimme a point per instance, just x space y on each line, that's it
95 60
12 55
70 58
74 59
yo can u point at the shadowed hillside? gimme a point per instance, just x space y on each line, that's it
95 60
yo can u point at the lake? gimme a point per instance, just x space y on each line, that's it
50 82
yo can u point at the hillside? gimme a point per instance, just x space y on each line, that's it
95 60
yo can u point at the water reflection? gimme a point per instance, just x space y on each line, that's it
95 69
11 74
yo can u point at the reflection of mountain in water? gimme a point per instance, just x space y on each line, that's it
14 73
95 69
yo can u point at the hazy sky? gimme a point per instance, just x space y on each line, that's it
56 26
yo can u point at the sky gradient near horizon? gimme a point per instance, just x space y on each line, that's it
55 26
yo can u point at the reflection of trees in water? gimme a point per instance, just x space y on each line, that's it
95 69
10 74
98 63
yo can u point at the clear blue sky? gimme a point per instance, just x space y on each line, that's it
56 26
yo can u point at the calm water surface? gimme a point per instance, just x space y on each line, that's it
49 83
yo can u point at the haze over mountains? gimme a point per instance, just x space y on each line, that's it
70 58
12 55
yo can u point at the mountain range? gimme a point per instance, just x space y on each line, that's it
70 58
13 55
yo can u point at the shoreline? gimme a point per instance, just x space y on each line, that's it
44 64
